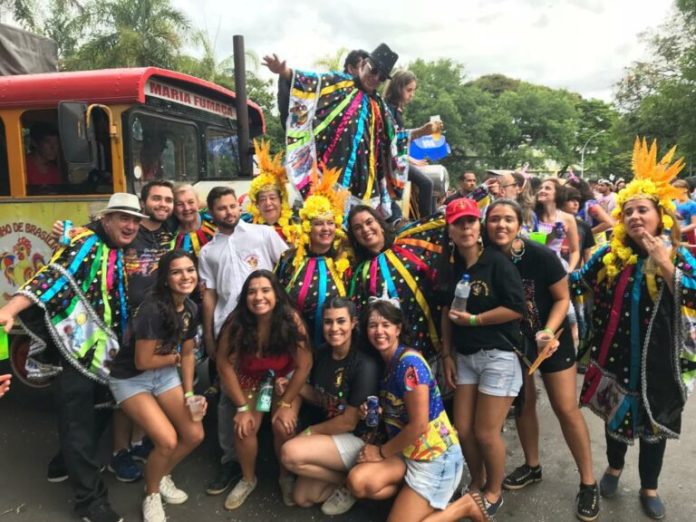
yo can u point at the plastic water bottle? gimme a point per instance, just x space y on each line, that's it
461 294
263 402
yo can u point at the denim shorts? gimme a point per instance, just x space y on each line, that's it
436 480
154 382
497 372
349 447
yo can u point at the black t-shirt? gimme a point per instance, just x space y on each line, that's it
345 382
146 323
586 238
494 282
141 258
540 268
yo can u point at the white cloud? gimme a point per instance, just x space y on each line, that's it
581 45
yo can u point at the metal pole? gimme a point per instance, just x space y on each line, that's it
582 152
245 150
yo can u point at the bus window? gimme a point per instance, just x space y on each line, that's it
46 170
163 149
4 170
223 159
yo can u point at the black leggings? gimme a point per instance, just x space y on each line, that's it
650 457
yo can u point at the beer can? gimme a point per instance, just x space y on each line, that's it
65 236
372 419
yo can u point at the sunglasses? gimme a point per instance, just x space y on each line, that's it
372 69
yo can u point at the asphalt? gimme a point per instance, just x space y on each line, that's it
28 440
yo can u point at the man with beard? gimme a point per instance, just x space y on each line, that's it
84 323
224 263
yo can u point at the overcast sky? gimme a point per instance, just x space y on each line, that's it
580 45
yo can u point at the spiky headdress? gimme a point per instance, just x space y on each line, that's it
326 200
652 180
271 177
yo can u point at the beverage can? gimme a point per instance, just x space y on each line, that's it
372 419
65 236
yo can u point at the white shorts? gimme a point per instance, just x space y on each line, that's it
349 447
497 372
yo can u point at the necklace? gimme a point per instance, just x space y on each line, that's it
516 255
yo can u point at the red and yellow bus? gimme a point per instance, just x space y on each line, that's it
113 130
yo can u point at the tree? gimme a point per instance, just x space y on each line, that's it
131 33
332 62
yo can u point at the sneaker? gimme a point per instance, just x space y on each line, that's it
141 452
287 484
153 511
338 503
587 502
239 494
521 477
124 467
170 493
227 473
492 507
57 472
101 513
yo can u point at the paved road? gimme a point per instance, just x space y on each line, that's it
28 440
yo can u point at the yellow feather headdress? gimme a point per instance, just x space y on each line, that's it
272 176
652 180
326 200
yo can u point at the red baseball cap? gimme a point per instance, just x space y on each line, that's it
461 207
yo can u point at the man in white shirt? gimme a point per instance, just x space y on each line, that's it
607 198
224 263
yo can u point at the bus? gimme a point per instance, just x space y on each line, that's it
104 131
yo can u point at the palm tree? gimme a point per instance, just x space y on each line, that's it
332 62
132 33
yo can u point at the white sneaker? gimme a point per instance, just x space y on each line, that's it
239 494
170 493
339 502
287 485
152 509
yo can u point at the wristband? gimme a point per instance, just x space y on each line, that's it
244 407
472 320
283 404
548 331
307 431
380 453
188 394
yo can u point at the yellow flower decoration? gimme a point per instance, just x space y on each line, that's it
325 201
652 180
272 176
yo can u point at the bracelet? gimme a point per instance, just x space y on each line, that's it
283 404
548 331
244 407
188 394
380 453
472 320
307 431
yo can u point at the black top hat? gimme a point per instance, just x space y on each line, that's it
384 58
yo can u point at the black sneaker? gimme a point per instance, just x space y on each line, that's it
587 502
101 513
227 474
57 472
141 452
124 467
521 477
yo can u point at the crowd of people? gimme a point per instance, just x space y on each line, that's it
353 333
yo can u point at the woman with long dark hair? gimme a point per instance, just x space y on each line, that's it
398 93
342 378
145 379
545 284
560 227
263 333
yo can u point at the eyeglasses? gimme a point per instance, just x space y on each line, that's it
372 69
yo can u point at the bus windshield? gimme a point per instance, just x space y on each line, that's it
221 150
163 148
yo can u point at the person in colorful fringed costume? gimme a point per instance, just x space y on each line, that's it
339 121
268 194
642 340
402 266
78 304
313 272
196 227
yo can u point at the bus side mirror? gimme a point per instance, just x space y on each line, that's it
76 136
